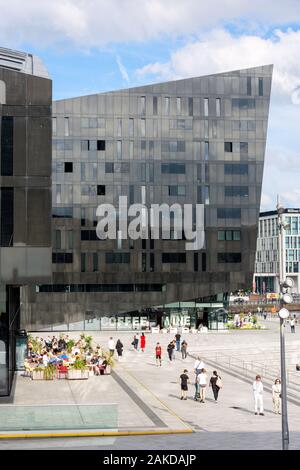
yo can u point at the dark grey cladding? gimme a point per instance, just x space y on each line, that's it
25 169
196 140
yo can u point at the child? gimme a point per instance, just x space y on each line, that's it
184 384
158 354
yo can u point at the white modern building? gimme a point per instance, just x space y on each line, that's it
266 277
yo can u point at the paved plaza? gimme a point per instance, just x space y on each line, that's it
148 396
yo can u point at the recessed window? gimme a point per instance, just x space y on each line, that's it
155 105
67 131
229 213
117 258
109 167
229 235
236 169
244 148
54 127
205 103
84 145
143 104
176 168
236 191
62 257
101 190
173 258
68 167
228 146
178 105
249 88
191 106
229 257
243 103
100 145
261 87
218 107
176 190
167 105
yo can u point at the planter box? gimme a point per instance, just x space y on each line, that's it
78 374
37 375
108 370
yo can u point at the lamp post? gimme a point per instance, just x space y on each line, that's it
285 298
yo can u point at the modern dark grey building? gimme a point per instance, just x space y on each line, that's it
25 191
198 140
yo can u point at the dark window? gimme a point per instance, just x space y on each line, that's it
62 257
236 169
196 267
173 258
191 107
229 257
151 244
203 262
261 87
152 262
101 288
180 146
100 190
100 145
109 167
228 146
244 148
7 138
95 262
89 235
65 212
249 88
176 190
234 191
155 105
229 235
117 258
83 262
144 244
243 103
68 167
84 145
229 213
177 168
7 217
144 262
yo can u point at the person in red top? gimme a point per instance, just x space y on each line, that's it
143 342
158 354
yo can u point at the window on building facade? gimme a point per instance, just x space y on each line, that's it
167 105
143 104
178 105
119 149
155 105
67 130
177 168
7 145
206 105
100 190
228 146
173 258
100 145
249 87
229 257
131 127
243 103
261 87
236 191
117 258
235 168
229 213
68 167
54 126
229 235
62 258
218 107
176 190
206 150
143 127
7 216
191 106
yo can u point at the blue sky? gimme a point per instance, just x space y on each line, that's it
99 45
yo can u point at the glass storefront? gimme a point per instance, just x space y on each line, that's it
178 314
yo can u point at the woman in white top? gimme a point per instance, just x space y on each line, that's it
202 384
276 396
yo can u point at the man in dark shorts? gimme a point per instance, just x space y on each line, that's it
158 354
184 384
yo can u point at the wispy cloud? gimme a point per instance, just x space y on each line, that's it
123 70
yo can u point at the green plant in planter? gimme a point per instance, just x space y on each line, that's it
108 358
70 345
79 364
49 372
88 342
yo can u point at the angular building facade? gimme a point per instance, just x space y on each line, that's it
25 191
197 140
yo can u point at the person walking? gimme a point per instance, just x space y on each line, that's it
177 339
276 396
111 346
135 343
198 365
143 341
292 324
258 389
203 385
119 348
184 378
184 349
216 384
170 349
197 387
158 354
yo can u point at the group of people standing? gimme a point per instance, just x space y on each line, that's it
201 382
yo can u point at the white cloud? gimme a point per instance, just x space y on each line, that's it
92 23
123 70
221 51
